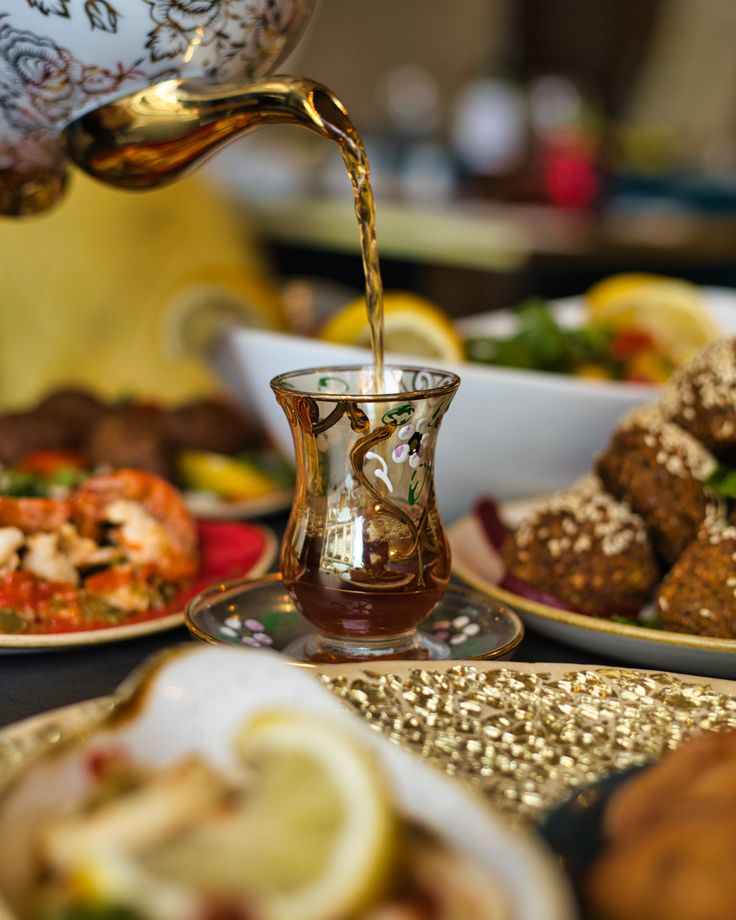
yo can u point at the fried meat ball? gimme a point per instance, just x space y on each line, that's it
659 470
78 409
23 432
671 836
698 595
208 424
586 549
701 397
129 438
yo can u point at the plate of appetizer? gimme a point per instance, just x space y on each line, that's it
230 783
635 561
208 448
110 556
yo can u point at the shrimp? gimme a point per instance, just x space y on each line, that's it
34 515
148 516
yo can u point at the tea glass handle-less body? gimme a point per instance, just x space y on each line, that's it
364 556
62 62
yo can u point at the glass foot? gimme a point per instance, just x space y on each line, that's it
320 649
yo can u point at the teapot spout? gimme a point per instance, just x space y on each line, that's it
153 136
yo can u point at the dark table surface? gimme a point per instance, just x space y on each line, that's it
33 682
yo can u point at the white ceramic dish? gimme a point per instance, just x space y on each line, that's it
210 506
509 433
195 702
475 561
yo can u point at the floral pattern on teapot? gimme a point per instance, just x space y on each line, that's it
62 58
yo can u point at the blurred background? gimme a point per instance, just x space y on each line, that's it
518 147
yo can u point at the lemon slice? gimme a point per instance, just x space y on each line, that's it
207 300
671 310
323 830
616 287
203 471
412 325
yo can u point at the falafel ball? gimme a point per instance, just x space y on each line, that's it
23 432
128 438
701 397
211 425
698 595
659 470
78 409
586 549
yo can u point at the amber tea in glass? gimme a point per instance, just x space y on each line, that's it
364 556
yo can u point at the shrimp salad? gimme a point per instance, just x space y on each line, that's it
114 547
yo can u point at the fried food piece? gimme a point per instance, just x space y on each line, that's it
698 595
696 780
586 549
129 438
675 872
659 469
23 432
211 425
78 409
671 834
701 397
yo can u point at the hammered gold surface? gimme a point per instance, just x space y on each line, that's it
526 739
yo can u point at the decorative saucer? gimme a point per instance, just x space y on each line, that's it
260 613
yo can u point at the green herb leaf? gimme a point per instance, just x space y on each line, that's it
541 343
22 485
642 624
722 482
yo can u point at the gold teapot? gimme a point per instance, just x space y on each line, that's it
136 92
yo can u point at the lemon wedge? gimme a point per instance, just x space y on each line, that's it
616 287
671 310
205 301
225 476
412 325
323 829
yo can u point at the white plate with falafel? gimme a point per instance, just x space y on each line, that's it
636 562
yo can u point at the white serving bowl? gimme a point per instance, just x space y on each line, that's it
509 433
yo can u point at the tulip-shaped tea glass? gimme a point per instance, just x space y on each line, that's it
364 556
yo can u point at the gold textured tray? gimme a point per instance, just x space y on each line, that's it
525 735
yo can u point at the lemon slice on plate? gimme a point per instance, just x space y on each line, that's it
323 830
671 310
412 325
225 476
